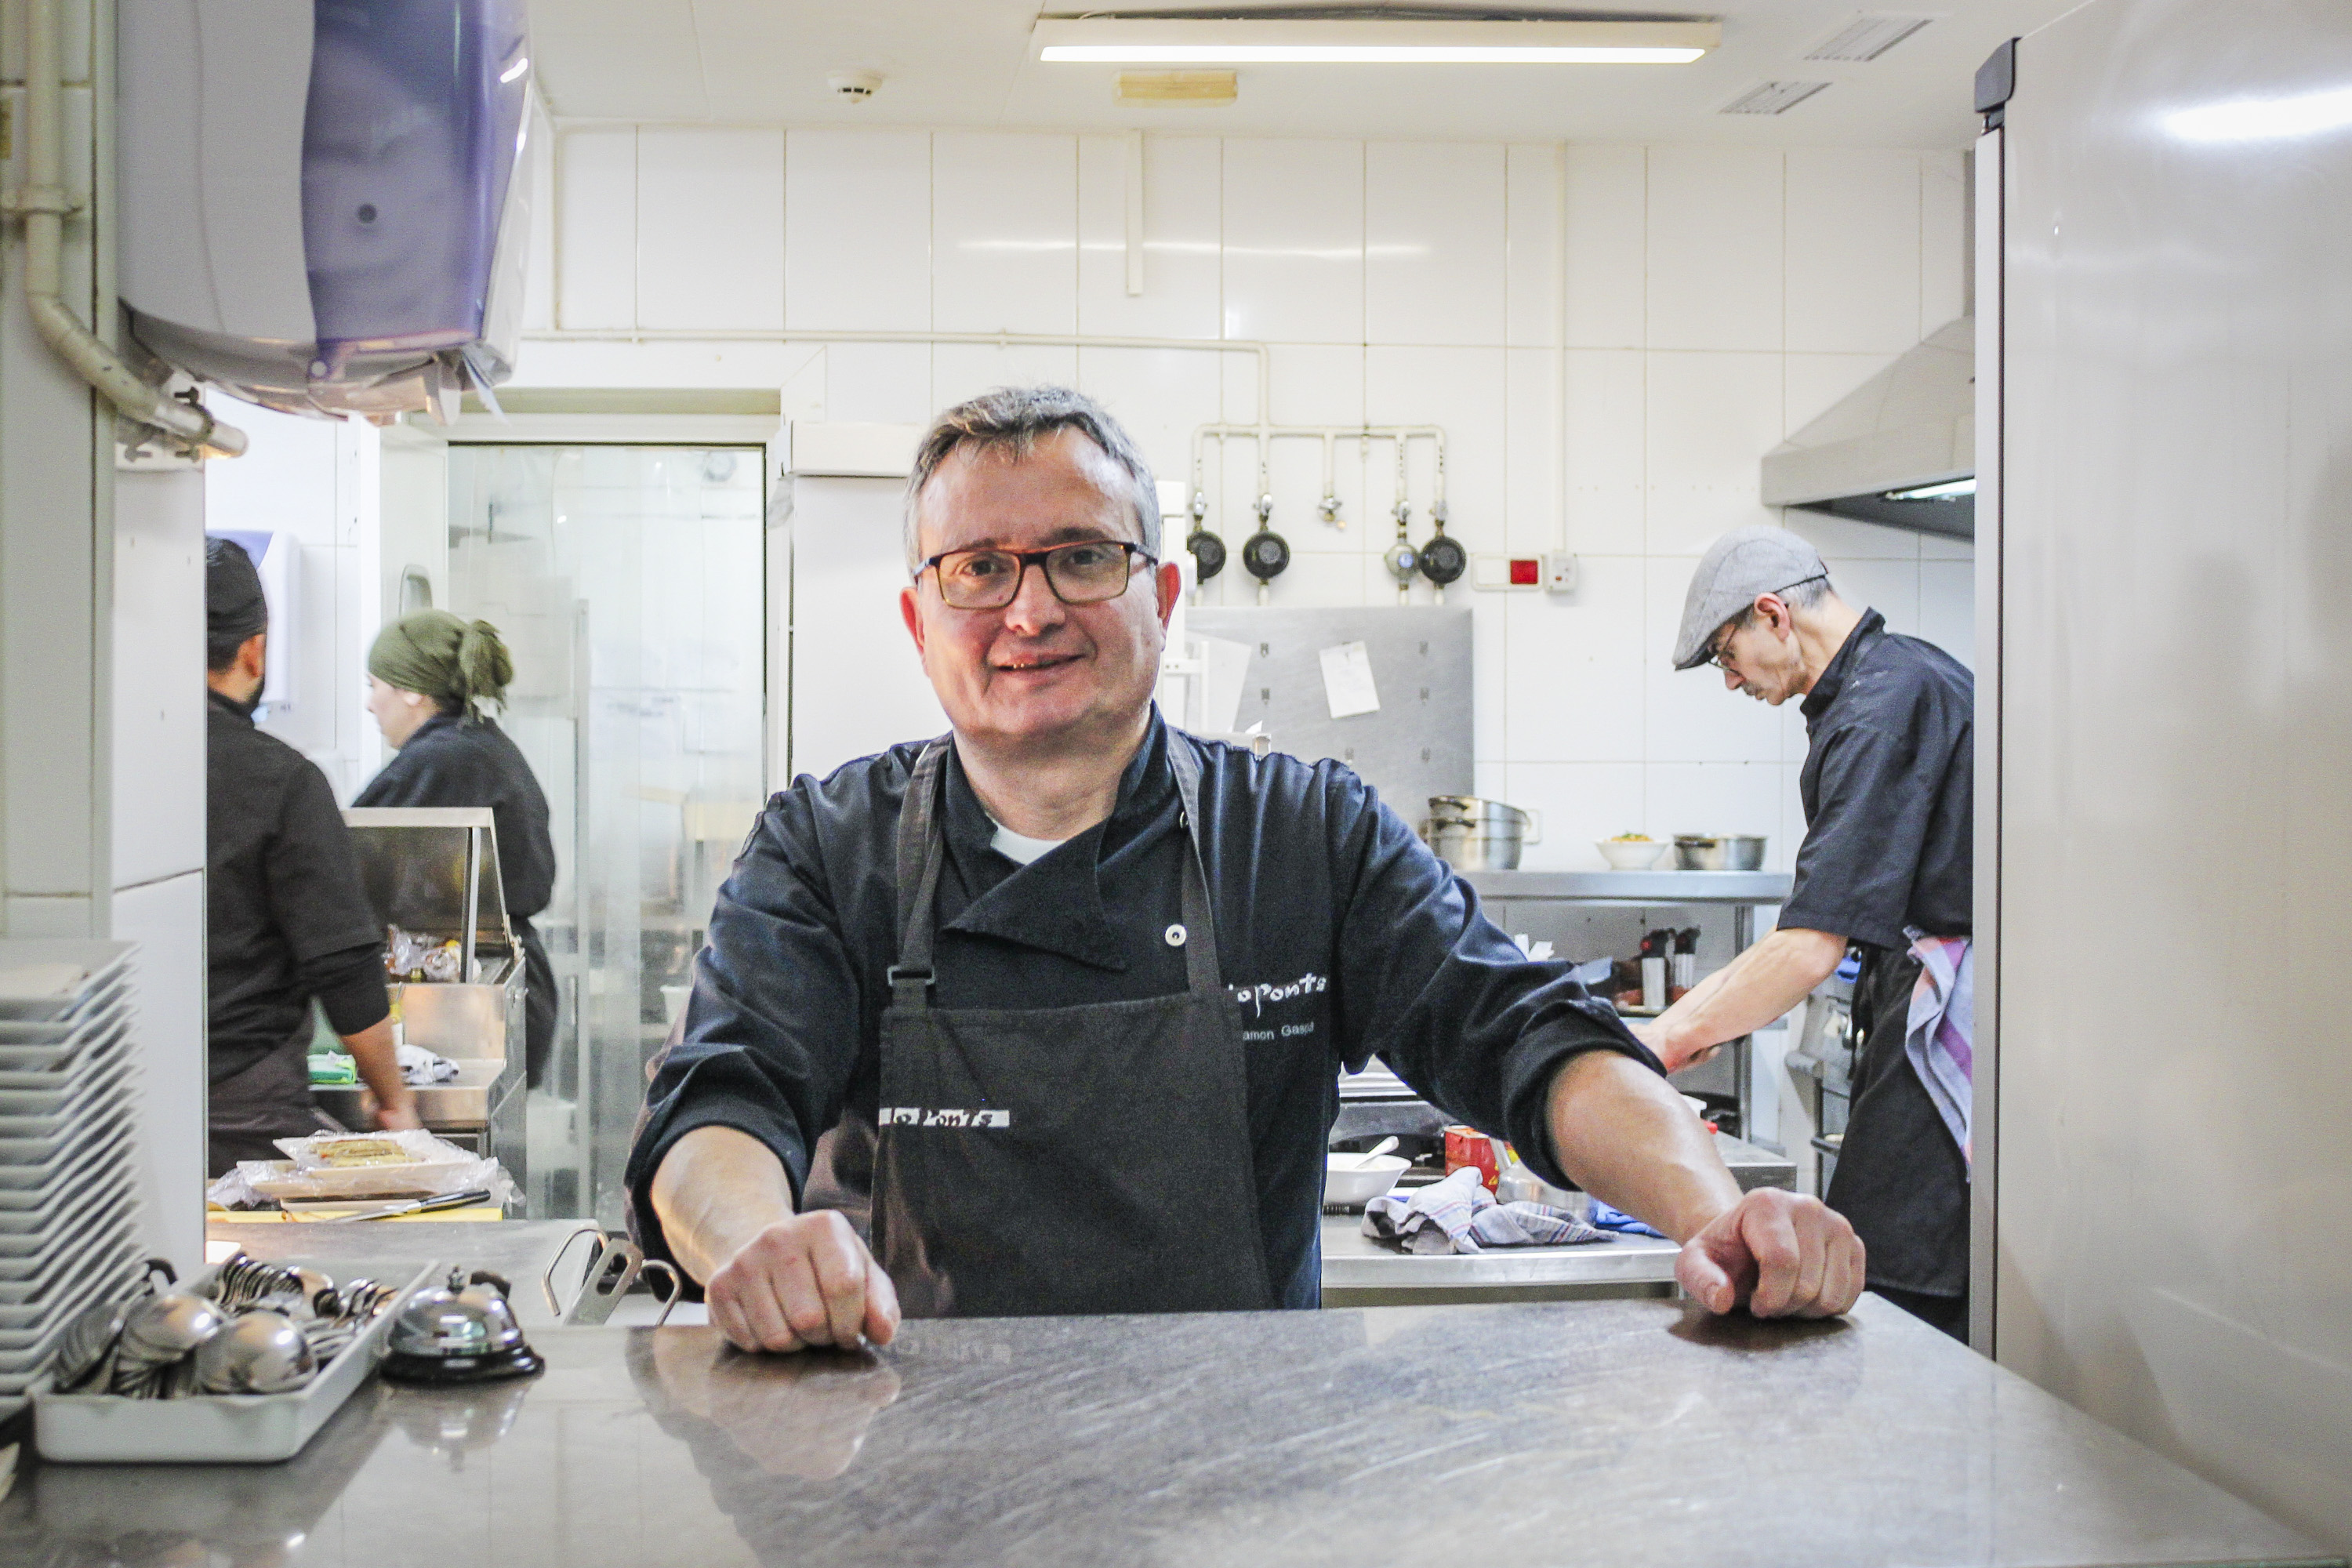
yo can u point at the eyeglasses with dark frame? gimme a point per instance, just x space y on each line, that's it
1718 652
1086 572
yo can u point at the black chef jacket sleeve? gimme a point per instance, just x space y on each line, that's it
1863 846
775 972
312 876
1437 991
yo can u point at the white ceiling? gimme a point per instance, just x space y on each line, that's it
966 63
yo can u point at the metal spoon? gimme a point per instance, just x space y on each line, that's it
259 1352
1359 1161
165 1328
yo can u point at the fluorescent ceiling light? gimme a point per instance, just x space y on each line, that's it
1116 40
1948 490
2263 119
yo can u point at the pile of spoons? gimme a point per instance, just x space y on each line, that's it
254 1328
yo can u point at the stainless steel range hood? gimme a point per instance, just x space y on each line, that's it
1900 449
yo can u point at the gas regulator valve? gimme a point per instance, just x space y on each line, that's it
1442 560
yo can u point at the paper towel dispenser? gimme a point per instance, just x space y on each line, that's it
324 205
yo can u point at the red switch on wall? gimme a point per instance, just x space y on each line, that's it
1525 571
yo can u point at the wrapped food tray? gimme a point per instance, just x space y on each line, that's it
211 1428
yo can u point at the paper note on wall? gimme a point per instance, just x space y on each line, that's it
1224 665
1347 680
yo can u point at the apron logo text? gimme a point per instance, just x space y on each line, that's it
916 1116
1256 997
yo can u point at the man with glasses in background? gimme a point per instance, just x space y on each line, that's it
1886 865
1065 991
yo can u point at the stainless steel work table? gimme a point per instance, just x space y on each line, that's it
1603 1432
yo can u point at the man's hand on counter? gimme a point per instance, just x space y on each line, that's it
806 1280
1778 1253
1621 1133
775 1279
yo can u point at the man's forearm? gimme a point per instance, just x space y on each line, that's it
1756 988
716 1189
377 1061
1621 1133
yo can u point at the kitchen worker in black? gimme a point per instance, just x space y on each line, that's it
1080 985
287 919
1886 866
428 675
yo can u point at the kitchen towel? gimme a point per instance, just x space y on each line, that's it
1459 1215
423 1068
1940 1035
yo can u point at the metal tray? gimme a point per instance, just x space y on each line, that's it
463 1102
207 1429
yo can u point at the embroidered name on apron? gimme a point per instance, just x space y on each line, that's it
946 1116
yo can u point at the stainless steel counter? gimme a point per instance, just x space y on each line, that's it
1603 1432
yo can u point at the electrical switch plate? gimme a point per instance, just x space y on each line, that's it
1553 573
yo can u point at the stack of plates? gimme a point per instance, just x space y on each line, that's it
69 1203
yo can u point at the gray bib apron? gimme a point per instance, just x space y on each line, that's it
1063 1160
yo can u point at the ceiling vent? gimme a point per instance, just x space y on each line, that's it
1867 38
1773 97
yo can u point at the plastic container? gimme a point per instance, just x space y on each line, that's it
211 1428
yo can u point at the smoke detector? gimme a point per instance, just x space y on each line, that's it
857 86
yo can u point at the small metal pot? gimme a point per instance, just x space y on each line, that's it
1473 835
1719 852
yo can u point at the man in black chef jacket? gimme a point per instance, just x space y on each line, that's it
1886 865
287 918
1076 986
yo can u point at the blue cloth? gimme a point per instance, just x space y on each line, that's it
1604 1218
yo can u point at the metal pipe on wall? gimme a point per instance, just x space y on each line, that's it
43 204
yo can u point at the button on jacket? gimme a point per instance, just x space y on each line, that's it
287 918
1341 936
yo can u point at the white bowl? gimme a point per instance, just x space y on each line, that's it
1631 855
1350 1180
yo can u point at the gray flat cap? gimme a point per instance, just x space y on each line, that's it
1735 568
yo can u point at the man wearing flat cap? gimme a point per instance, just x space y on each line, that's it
288 920
1885 866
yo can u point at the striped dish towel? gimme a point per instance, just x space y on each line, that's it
1459 1215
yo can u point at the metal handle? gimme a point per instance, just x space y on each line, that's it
677 1286
547 1280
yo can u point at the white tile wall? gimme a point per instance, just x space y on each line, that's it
1531 241
1435 243
596 281
1853 250
1711 416
1606 275
1610 336
1293 241
857 229
711 227
1182 221
1004 233
1714 273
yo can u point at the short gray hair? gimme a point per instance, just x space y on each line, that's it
1011 420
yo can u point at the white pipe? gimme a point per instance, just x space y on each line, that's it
1266 435
43 204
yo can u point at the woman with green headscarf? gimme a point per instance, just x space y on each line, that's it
429 675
